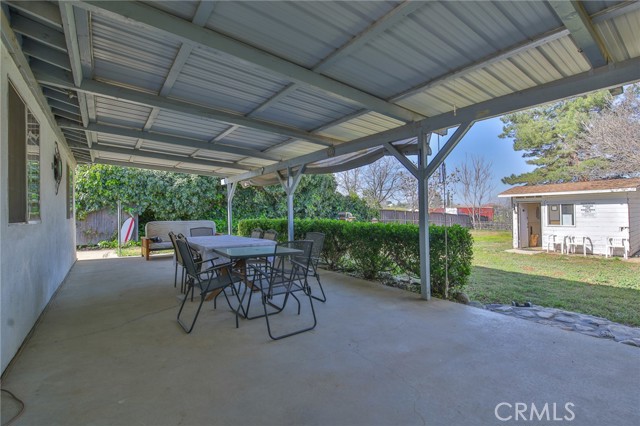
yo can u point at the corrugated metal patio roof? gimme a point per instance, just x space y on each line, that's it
244 89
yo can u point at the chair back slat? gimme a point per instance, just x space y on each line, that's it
187 257
271 234
173 239
318 244
201 231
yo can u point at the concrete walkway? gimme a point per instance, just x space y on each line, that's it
109 352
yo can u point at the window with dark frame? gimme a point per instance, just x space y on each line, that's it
24 161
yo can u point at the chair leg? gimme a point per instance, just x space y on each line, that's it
324 296
175 276
184 326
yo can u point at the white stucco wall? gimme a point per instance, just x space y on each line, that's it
34 258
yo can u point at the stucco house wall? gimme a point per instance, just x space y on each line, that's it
34 258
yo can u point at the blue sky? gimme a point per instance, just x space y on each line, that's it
482 140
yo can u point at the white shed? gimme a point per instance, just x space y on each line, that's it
596 217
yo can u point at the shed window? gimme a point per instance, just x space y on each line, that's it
24 161
561 214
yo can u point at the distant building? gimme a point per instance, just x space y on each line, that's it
592 215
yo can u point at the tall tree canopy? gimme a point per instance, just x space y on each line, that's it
549 136
612 137
157 195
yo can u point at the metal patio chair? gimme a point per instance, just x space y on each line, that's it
262 263
178 259
318 244
270 234
286 277
256 233
206 281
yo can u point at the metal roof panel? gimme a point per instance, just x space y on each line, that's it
216 80
134 56
121 113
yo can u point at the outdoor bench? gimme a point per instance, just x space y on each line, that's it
157 233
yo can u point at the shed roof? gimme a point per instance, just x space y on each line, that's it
245 89
590 187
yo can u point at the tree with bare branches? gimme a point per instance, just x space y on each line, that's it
476 184
611 138
380 181
349 182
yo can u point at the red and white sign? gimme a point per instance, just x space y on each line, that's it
127 230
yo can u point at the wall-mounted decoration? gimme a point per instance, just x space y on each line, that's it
57 168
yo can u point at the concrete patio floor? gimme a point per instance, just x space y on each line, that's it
108 351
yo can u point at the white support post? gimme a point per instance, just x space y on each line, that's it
290 185
231 190
423 211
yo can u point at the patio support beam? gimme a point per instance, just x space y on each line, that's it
423 214
159 156
446 149
231 191
408 164
166 138
78 63
139 14
612 75
578 22
154 167
290 184
60 79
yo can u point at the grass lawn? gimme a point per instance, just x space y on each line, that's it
608 288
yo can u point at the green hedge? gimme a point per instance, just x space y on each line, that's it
374 248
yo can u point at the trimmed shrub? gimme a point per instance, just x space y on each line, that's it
374 248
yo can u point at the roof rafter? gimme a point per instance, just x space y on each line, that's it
56 78
98 146
577 21
154 167
600 78
167 138
135 13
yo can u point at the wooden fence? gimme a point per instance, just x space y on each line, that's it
411 217
101 225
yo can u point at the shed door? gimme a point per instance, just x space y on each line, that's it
523 228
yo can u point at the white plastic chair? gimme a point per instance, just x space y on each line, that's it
550 241
617 242
575 241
